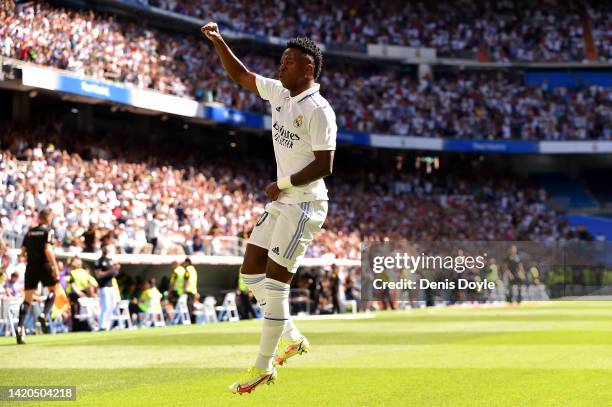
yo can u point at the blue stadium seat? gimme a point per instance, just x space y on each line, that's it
598 182
595 225
560 186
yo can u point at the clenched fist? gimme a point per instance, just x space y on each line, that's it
211 31
273 191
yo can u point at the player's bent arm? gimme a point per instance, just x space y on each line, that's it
51 258
322 128
234 67
320 167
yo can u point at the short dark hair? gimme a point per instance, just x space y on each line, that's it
44 215
308 47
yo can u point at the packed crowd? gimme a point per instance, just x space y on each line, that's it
470 105
549 30
192 208
601 23
167 210
104 199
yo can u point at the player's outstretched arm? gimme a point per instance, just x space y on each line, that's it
235 69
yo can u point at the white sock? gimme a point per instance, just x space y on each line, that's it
256 283
291 331
276 315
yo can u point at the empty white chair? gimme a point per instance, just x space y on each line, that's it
228 311
4 318
89 309
181 312
9 314
209 310
122 315
198 312
350 305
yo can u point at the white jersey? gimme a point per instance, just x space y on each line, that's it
300 125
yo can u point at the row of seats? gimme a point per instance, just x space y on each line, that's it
89 310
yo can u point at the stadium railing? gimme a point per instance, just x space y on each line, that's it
165 259
12 238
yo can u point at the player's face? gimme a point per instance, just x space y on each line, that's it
293 68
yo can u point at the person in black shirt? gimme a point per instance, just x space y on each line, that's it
335 288
41 267
516 275
91 237
105 271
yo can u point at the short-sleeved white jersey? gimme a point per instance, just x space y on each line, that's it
300 125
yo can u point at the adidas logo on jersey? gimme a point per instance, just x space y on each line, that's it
278 109
275 250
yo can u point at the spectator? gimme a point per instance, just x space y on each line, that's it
177 282
245 300
191 286
79 284
148 301
13 287
91 239
152 230
475 105
105 271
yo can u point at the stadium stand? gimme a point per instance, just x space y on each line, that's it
118 185
598 182
548 30
368 99
209 199
598 226
561 187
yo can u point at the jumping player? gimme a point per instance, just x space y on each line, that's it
304 138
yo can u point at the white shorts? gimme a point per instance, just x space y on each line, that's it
286 230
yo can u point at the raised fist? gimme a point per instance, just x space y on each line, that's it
211 31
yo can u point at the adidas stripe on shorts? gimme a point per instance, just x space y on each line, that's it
286 230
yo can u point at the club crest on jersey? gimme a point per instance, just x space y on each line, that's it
297 122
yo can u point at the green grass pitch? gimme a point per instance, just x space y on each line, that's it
539 354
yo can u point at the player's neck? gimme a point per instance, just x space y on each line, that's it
301 88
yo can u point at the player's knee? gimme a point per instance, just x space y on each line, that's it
255 260
278 272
